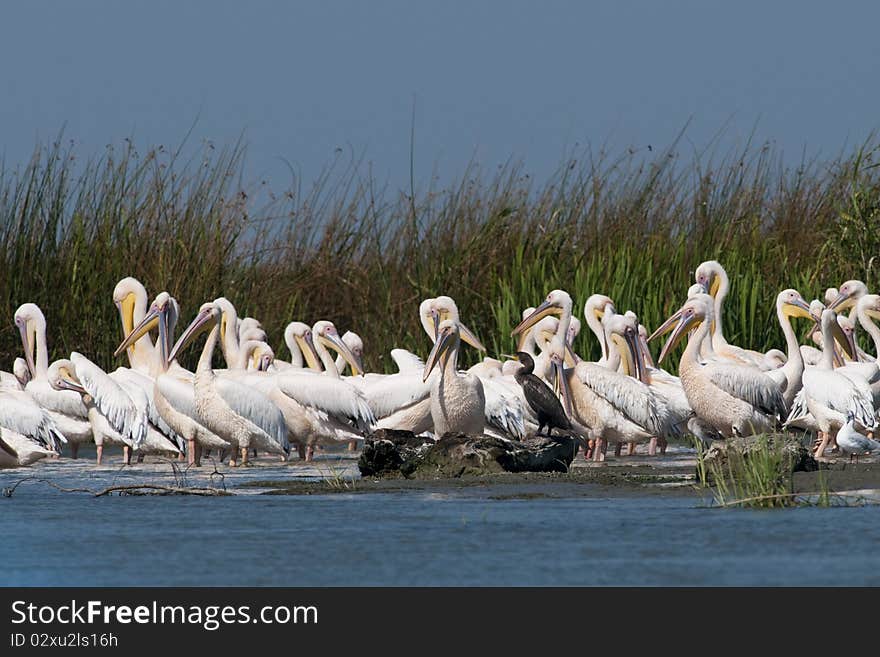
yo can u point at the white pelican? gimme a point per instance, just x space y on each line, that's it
612 406
115 419
27 431
458 404
712 276
65 407
173 392
356 346
594 310
735 399
852 442
830 395
238 413
867 310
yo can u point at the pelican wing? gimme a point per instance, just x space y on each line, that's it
504 409
750 385
628 396
387 394
255 406
144 383
799 409
841 393
333 396
123 413
21 414
407 361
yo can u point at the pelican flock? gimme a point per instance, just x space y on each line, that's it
322 398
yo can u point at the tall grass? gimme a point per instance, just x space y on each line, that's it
633 225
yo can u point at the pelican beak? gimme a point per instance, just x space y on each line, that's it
571 358
847 341
538 314
198 325
684 324
799 308
334 342
67 382
307 346
468 336
148 323
435 320
645 352
560 384
632 343
28 351
840 300
441 346
666 326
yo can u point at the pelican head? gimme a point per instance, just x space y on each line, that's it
209 316
250 329
792 304
711 276
325 333
848 295
62 376
128 293
354 342
558 302
157 315
446 346
848 335
693 313
434 311
258 355
298 337
21 371
574 329
29 319
623 331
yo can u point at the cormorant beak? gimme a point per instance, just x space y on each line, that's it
684 324
200 324
538 314
333 341
666 326
441 346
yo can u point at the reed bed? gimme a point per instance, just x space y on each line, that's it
632 225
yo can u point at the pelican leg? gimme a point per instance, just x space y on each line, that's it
244 455
181 456
74 450
618 449
99 453
823 443
301 450
310 453
352 445
600 449
589 449
199 454
191 451
126 455
631 449
652 446
663 444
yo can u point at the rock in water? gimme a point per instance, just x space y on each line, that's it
389 453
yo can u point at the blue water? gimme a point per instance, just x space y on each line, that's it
462 538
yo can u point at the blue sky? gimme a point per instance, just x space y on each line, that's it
489 81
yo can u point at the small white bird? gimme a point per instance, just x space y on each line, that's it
852 442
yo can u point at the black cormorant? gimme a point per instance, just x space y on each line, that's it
540 397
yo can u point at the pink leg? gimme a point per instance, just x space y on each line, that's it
99 452
631 450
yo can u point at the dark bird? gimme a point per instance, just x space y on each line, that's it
540 397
